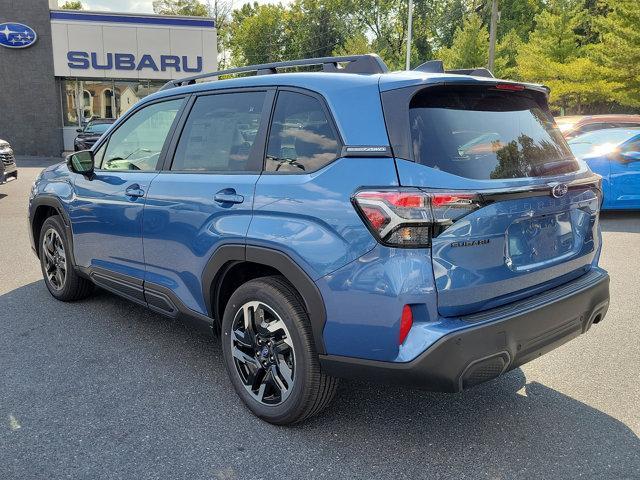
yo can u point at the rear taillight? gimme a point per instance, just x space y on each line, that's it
410 217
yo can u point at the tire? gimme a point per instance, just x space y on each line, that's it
277 310
68 286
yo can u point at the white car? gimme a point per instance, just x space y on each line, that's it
8 168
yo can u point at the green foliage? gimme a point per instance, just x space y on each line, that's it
586 51
554 56
317 27
180 7
618 54
386 22
259 34
72 5
470 46
506 64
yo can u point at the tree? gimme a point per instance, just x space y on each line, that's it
386 23
554 56
180 7
470 47
618 53
258 34
507 56
316 27
72 5
220 11
357 44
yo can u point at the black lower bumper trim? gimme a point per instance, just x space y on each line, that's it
517 335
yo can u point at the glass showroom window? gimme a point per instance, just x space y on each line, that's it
85 100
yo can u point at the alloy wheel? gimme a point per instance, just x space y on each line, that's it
263 353
55 259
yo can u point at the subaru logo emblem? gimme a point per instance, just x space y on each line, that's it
559 190
264 352
17 35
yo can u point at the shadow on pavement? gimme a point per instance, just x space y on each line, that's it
103 375
620 221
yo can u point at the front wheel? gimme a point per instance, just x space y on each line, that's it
59 275
269 353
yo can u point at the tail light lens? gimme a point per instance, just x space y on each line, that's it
412 217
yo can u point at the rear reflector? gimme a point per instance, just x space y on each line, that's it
406 321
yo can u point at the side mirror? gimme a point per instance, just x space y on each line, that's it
631 156
81 162
79 130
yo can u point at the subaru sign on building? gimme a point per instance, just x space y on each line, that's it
17 35
85 65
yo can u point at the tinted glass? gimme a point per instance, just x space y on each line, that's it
486 133
301 138
220 132
137 143
600 142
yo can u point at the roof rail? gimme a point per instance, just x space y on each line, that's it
436 66
363 64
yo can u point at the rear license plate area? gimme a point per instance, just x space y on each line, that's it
537 242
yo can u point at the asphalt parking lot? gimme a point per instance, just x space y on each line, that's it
103 389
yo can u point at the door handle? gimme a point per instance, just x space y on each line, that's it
134 191
228 195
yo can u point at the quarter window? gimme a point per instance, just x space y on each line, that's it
302 139
220 132
137 143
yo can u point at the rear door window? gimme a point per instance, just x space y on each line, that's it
302 138
484 133
220 133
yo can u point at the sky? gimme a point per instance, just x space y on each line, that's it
142 6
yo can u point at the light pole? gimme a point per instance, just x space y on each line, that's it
492 34
409 34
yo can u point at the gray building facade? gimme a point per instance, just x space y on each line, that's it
30 107
85 66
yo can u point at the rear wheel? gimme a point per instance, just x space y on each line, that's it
59 275
269 353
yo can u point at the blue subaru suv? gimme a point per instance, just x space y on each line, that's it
424 227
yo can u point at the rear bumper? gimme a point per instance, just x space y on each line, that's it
495 342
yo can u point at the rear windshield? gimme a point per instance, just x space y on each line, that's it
484 133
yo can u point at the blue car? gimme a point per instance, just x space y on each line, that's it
613 153
426 227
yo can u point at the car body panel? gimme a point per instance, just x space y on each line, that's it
620 179
311 218
107 223
183 227
575 125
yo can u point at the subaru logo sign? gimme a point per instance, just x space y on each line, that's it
16 35
559 190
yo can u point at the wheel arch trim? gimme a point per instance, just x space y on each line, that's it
215 271
56 204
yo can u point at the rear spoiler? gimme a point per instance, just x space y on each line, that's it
437 66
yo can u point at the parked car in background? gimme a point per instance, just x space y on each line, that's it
574 125
8 168
90 134
428 227
613 153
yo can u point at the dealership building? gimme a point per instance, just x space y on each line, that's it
59 69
